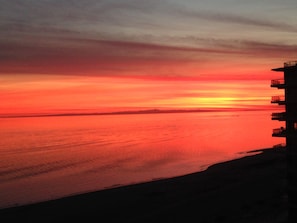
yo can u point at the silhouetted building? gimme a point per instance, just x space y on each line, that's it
289 99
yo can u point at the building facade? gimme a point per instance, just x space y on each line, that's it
288 84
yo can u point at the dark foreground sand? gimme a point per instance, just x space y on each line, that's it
250 189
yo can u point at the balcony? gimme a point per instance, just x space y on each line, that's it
280 146
279 132
290 64
287 66
279 83
281 116
278 99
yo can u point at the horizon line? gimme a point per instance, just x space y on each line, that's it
132 112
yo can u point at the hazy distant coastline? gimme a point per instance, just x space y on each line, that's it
132 112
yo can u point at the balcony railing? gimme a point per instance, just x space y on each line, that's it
279 83
279 132
290 64
281 116
278 99
280 146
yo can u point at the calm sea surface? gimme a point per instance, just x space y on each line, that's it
45 158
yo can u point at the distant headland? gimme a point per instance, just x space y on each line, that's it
132 112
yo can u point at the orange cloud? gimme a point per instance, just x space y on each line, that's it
86 57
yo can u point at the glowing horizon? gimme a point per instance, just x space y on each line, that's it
109 94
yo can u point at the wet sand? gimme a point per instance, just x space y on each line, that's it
249 189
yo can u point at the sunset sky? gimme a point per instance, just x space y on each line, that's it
111 55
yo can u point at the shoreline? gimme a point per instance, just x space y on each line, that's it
247 189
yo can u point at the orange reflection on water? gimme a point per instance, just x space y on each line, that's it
44 158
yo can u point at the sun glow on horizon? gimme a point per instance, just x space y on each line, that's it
103 94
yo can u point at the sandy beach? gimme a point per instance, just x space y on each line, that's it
249 189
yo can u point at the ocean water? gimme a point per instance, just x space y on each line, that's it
45 158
